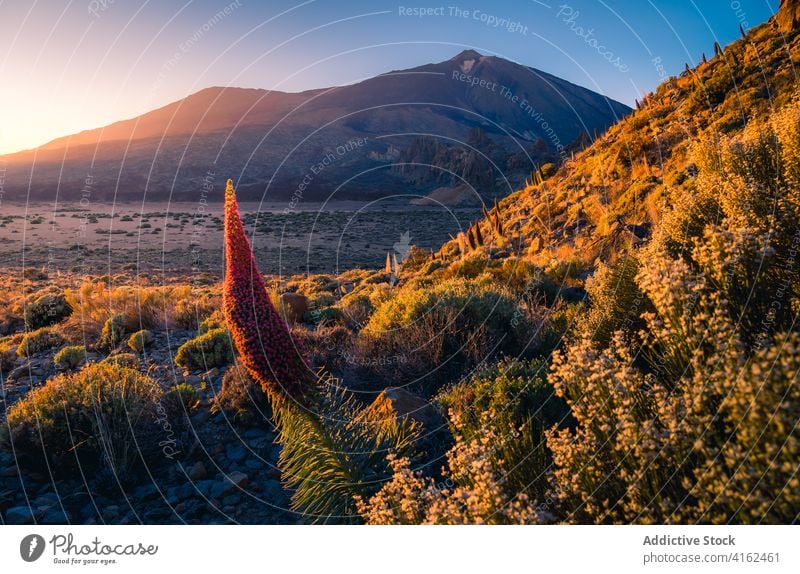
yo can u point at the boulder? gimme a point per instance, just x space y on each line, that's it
19 515
398 402
788 15
294 305
197 471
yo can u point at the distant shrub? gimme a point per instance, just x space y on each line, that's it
8 356
70 357
357 310
214 321
182 397
615 298
103 416
128 360
139 340
191 312
113 332
241 398
433 329
548 170
32 274
327 316
40 340
46 310
211 349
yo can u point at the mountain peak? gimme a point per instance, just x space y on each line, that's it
466 55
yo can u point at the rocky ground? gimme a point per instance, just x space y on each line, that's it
223 472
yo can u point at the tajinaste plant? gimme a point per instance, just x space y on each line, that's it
266 347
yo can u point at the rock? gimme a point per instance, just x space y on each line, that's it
10 472
19 515
240 479
200 417
219 490
19 373
272 490
198 471
146 491
55 516
110 513
236 453
184 491
788 15
158 515
275 453
295 305
205 486
231 499
397 402
253 463
49 500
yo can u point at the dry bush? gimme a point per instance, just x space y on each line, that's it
241 398
142 307
104 416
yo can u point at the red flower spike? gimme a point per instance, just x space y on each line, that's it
261 335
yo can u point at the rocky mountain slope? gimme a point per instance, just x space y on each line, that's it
612 193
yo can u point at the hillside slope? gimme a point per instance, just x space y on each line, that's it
613 192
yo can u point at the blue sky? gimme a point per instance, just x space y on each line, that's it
68 66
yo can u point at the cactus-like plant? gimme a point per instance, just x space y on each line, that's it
260 334
478 234
473 243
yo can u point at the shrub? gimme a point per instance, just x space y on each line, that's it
439 329
139 340
113 332
520 404
40 340
103 416
70 357
357 310
46 310
470 493
212 349
241 398
615 298
213 321
695 419
8 356
191 312
326 345
182 397
128 360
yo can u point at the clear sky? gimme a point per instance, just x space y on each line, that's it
67 66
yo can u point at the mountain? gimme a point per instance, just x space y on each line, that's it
476 121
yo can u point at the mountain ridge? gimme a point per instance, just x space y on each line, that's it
269 140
